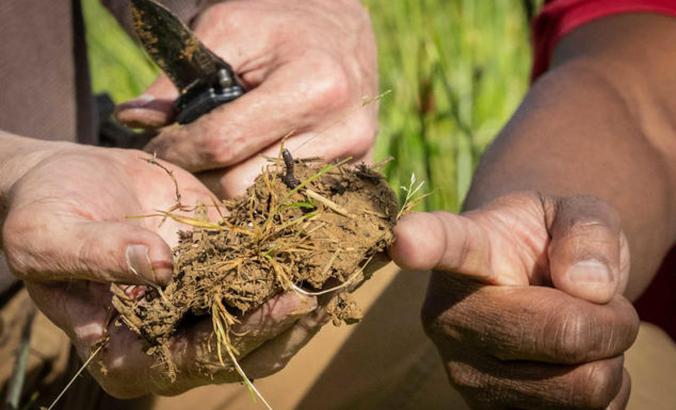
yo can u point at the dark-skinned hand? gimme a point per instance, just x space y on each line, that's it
525 304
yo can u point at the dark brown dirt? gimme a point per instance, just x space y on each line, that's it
273 239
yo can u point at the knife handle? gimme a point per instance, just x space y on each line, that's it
191 106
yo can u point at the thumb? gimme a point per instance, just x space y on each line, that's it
153 109
97 251
588 253
452 243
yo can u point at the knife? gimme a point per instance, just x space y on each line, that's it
204 80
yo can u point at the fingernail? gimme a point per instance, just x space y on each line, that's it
163 272
590 271
138 260
139 102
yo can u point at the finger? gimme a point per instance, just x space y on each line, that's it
341 141
79 308
531 323
194 349
586 249
153 109
125 370
622 398
238 130
452 243
82 310
193 352
45 250
270 319
218 29
527 385
274 355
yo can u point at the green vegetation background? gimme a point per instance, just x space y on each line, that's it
456 69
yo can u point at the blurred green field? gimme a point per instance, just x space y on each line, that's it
457 70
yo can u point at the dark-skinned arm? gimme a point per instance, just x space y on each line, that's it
602 122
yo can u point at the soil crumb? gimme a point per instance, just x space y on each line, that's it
309 229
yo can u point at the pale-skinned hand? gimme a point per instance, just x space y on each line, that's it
525 305
308 65
68 234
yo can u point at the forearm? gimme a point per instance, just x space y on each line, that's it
595 126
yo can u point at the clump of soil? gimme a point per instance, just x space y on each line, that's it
304 226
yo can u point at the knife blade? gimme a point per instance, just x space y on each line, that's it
204 80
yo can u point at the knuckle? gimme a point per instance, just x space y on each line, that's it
429 316
633 324
598 204
275 367
368 129
566 334
430 325
598 385
587 213
14 232
90 257
331 87
266 370
448 314
619 335
218 150
227 14
112 381
589 234
361 138
585 231
441 327
464 376
121 378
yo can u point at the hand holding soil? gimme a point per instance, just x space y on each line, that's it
304 227
68 234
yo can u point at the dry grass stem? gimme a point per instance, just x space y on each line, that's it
328 203
76 375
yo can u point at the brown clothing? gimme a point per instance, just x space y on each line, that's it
39 85
45 91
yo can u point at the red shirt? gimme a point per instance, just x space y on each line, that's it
559 17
